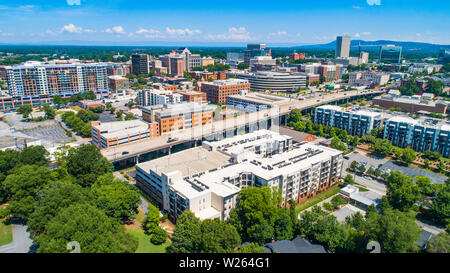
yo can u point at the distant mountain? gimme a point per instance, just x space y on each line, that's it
406 46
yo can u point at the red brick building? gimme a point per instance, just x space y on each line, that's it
297 56
193 96
217 91
117 83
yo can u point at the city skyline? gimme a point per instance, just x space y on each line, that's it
289 22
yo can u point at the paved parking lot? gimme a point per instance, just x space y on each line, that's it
107 117
52 134
19 123
413 172
372 161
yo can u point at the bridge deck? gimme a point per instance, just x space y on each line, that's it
160 142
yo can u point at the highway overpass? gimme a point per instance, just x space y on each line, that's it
228 127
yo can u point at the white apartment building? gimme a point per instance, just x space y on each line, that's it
192 60
207 179
158 97
111 134
427 68
368 78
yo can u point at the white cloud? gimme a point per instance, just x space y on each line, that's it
116 30
71 28
73 2
279 33
5 34
28 7
365 33
182 32
89 30
356 7
233 33
147 31
50 32
373 2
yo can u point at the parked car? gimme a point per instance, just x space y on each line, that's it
172 139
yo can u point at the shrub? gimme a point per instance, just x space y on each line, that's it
328 206
338 201
158 236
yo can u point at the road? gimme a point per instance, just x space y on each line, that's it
21 241
155 143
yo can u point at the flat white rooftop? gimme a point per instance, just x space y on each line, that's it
263 98
188 162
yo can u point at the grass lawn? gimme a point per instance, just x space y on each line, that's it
6 235
317 199
362 189
140 216
76 108
145 246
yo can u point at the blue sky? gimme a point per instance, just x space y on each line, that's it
231 21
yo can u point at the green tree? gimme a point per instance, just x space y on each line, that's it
23 185
439 243
86 130
283 227
115 197
34 155
396 231
328 232
440 208
251 248
424 184
51 199
218 237
158 236
431 155
337 201
361 169
294 116
152 220
57 100
337 144
255 214
402 192
354 141
382 146
90 227
242 66
50 113
25 110
129 116
187 234
349 179
86 164
426 163
408 155
374 132
441 166
309 219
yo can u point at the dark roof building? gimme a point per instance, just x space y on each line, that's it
298 245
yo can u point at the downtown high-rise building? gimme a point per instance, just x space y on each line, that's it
254 50
390 54
342 47
140 64
39 79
